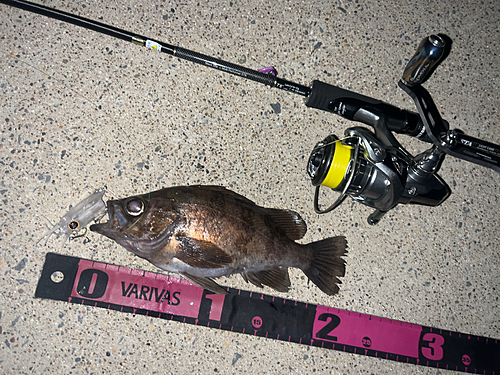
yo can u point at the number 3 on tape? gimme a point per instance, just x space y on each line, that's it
134 291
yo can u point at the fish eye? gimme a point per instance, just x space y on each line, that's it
135 207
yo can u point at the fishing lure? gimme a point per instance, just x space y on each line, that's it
78 217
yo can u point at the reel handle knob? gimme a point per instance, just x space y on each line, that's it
428 55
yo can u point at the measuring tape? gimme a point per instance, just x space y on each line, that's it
90 283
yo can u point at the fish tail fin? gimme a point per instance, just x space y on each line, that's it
326 263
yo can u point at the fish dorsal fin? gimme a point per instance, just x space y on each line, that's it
223 190
277 278
290 221
201 253
205 283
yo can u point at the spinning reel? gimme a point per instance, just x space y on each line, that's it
372 167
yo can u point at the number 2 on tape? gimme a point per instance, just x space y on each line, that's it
332 321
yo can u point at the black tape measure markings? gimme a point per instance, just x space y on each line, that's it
161 296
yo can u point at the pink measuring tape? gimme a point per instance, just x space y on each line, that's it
134 291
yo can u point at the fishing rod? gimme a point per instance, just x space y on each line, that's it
372 168
264 78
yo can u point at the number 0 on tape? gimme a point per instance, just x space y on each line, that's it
128 290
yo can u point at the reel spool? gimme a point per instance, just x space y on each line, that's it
331 164
347 167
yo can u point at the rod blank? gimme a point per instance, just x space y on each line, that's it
182 53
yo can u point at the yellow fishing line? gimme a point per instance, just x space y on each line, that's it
340 163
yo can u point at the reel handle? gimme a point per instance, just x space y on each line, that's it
429 54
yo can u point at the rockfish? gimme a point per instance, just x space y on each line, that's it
205 232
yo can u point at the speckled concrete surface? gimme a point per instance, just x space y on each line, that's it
79 110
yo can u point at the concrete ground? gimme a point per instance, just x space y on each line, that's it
80 110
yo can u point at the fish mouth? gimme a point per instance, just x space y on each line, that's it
102 228
113 228
106 228
110 230
116 228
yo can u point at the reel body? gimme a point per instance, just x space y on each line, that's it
374 174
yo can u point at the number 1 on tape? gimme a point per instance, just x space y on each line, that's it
157 295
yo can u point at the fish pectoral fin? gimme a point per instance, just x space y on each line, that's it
289 221
205 283
201 253
276 278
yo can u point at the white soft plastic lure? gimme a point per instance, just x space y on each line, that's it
79 216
